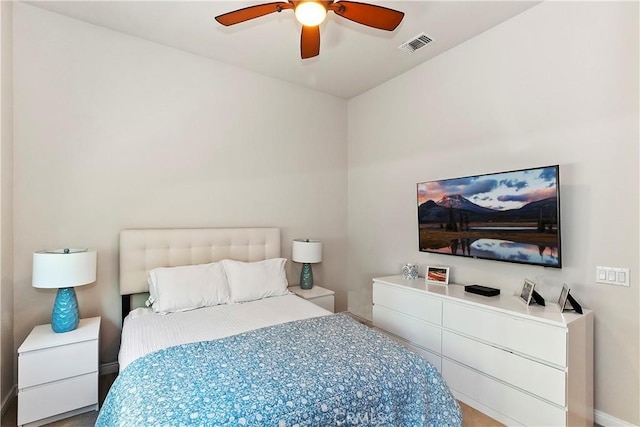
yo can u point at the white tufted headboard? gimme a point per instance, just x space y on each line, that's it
145 249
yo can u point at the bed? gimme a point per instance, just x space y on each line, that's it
264 356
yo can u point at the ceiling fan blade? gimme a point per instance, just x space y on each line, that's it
368 14
310 42
251 12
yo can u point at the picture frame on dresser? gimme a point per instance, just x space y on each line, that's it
528 295
562 300
437 274
527 291
565 297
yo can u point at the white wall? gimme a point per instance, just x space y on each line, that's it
6 204
557 84
114 132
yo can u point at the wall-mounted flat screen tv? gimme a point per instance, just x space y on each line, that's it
506 216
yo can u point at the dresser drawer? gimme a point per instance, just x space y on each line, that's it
513 403
414 304
414 330
535 377
54 363
434 359
56 398
536 339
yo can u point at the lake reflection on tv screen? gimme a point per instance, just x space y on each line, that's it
502 250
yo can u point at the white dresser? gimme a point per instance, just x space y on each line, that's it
58 373
520 365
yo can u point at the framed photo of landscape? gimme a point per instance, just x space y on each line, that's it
438 275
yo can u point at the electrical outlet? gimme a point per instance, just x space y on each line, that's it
612 276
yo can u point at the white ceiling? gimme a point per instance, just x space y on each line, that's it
353 58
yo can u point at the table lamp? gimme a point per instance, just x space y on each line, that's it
63 269
307 252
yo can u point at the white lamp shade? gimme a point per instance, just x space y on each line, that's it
310 13
305 250
56 269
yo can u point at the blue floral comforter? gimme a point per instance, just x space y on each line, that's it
323 371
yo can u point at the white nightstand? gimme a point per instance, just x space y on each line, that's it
318 295
58 373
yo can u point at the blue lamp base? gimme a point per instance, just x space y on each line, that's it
65 316
306 276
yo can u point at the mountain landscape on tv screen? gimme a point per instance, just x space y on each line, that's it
456 226
435 212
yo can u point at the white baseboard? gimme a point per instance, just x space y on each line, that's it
605 420
109 368
5 402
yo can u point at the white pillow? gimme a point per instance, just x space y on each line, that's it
249 281
187 287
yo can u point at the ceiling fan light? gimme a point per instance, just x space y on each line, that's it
310 13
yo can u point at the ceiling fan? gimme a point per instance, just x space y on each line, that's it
311 13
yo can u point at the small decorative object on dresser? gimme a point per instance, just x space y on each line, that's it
439 275
58 373
307 252
410 271
63 269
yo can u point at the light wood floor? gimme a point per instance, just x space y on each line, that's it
470 417
473 418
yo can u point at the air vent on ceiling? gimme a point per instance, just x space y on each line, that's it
418 42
